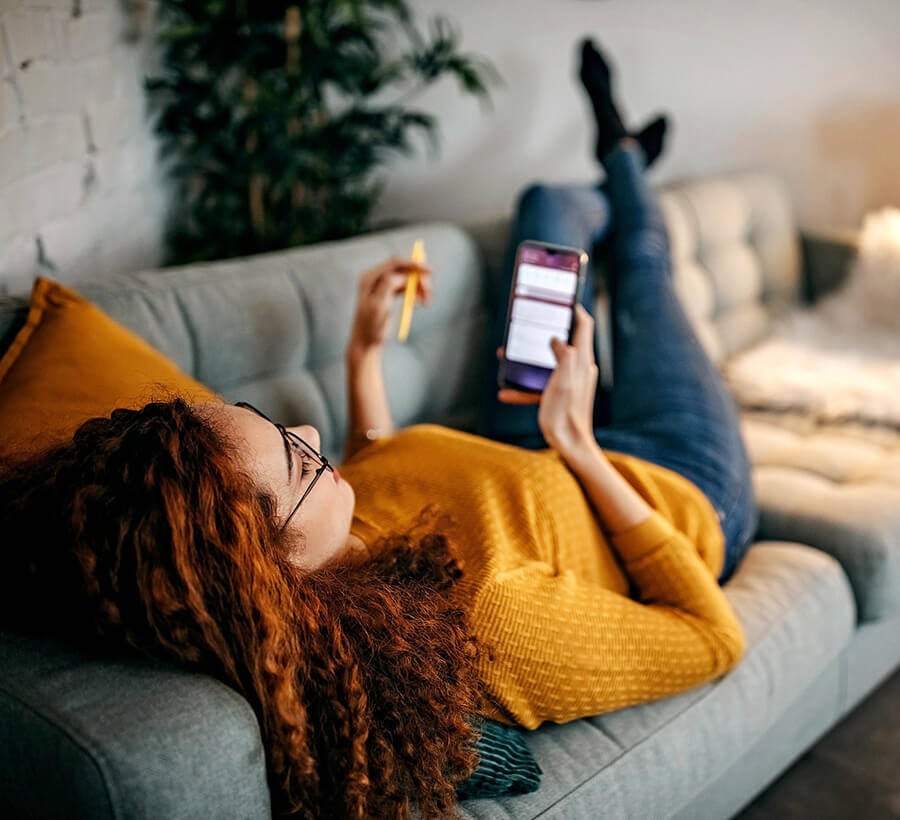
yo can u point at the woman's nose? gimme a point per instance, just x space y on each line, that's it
309 434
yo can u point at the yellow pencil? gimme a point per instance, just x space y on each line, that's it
409 297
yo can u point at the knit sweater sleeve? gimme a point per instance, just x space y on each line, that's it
570 649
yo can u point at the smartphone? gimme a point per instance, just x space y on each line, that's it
547 284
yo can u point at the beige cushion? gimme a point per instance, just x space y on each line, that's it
837 489
735 256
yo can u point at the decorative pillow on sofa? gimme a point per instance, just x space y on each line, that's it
507 765
70 362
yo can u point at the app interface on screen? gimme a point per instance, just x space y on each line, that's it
542 305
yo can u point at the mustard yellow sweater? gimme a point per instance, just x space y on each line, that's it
580 622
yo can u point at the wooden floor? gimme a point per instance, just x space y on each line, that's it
852 772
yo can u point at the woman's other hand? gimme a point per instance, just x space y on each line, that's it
566 410
368 410
378 287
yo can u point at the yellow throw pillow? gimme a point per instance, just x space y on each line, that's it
71 362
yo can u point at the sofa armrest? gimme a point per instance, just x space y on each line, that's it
84 736
826 261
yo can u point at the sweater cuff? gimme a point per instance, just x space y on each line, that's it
642 539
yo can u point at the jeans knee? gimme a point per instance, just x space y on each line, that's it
574 215
539 197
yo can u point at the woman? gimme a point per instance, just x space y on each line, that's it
539 585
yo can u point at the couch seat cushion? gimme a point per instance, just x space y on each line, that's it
798 614
120 738
838 489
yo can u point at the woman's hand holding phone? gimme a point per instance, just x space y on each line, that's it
378 287
565 414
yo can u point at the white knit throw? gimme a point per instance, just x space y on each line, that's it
840 360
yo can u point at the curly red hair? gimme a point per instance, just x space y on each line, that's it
142 533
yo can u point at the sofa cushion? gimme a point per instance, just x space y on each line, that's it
114 726
798 614
838 488
123 738
69 362
735 255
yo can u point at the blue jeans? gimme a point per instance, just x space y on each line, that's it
668 404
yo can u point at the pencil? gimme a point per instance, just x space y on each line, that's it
409 297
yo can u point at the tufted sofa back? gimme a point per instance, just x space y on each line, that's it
735 255
271 329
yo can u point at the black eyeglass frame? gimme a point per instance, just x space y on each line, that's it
290 439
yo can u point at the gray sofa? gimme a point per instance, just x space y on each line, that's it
818 595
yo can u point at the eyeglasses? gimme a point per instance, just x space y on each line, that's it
292 443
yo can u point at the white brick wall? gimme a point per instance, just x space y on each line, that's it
78 163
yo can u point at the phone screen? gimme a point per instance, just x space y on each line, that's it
545 289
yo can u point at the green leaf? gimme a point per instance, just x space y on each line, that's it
233 100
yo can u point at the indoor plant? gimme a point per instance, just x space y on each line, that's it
276 117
